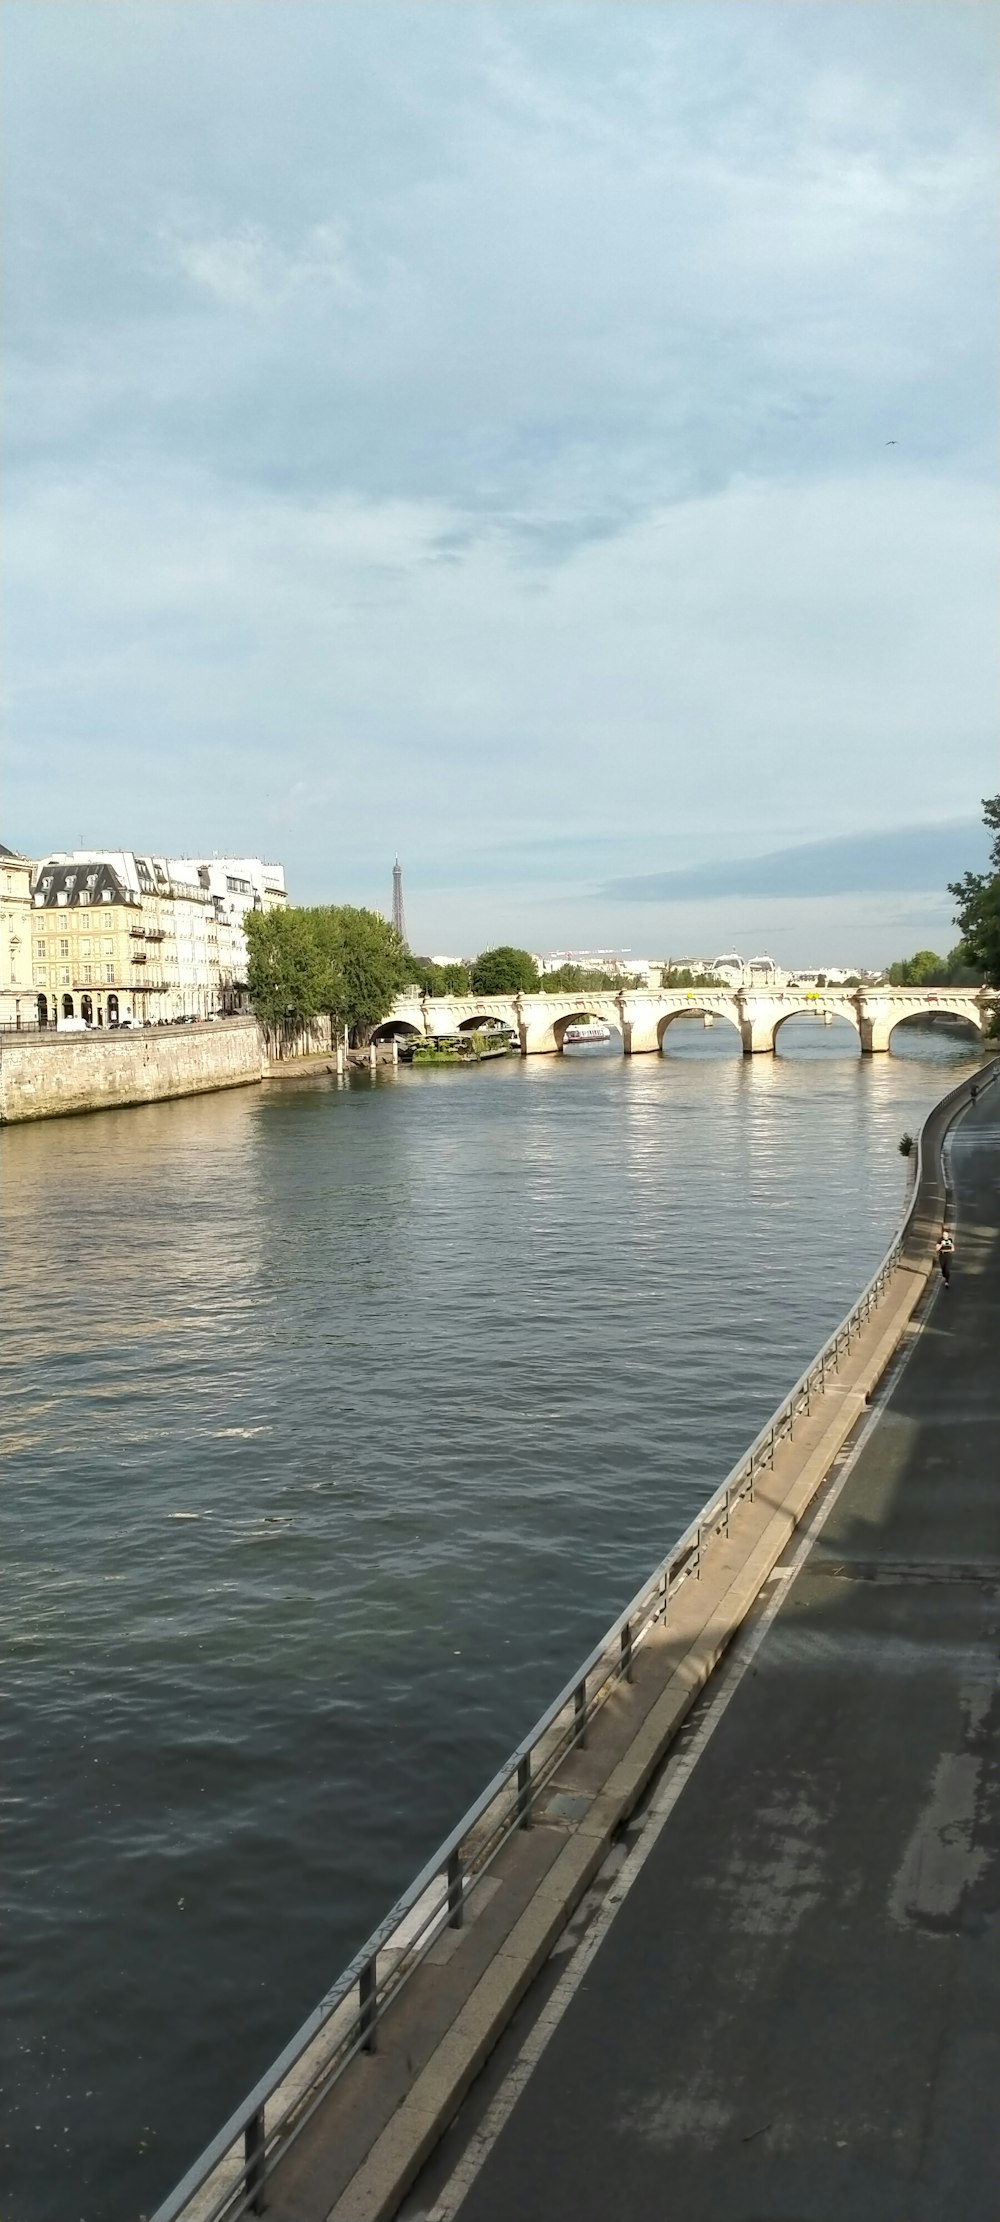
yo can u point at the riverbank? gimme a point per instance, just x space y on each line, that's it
50 1075
473 1931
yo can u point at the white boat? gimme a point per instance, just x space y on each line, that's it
588 1030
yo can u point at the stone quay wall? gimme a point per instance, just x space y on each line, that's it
45 1075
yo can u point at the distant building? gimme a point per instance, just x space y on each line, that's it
236 885
17 1006
123 938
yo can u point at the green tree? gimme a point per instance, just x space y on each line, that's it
681 976
572 979
977 895
364 966
920 971
438 979
505 971
285 975
344 962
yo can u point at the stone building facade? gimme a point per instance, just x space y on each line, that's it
124 939
17 1007
236 885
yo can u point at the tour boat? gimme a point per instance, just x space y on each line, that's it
588 1030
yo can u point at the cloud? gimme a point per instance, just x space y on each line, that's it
248 269
911 860
475 440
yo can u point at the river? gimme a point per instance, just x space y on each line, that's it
341 1419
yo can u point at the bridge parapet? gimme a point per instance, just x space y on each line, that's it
641 1016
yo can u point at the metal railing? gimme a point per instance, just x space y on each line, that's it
346 2021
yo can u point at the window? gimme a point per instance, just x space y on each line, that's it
84 920
105 894
64 948
85 948
109 948
109 974
87 974
64 975
41 976
60 895
41 947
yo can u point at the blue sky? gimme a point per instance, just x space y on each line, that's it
463 431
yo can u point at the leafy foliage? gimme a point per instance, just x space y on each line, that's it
346 963
439 979
505 971
572 979
977 895
927 970
285 976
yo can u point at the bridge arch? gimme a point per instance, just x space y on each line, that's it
833 1015
600 1016
398 1029
708 1014
970 1022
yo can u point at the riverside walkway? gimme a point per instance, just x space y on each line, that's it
719 1943
794 2015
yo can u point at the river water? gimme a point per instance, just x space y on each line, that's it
342 1418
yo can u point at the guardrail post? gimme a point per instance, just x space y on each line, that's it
366 2002
253 2161
580 1711
524 1792
627 1651
455 1900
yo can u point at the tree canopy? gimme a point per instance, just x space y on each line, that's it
927 970
977 895
344 963
439 979
505 971
285 977
570 979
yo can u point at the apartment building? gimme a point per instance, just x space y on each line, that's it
123 938
235 885
118 936
16 999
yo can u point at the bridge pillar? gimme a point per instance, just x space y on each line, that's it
756 1025
874 1027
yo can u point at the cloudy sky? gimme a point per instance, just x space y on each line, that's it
466 430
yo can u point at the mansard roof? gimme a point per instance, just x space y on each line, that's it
80 883
14 854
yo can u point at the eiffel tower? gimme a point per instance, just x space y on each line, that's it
398 919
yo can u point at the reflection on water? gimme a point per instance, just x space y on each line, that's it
344 1419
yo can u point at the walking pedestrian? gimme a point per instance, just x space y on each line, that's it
944 1252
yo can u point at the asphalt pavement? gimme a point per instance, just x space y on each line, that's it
795 2014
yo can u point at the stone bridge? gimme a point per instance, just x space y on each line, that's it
641 1016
